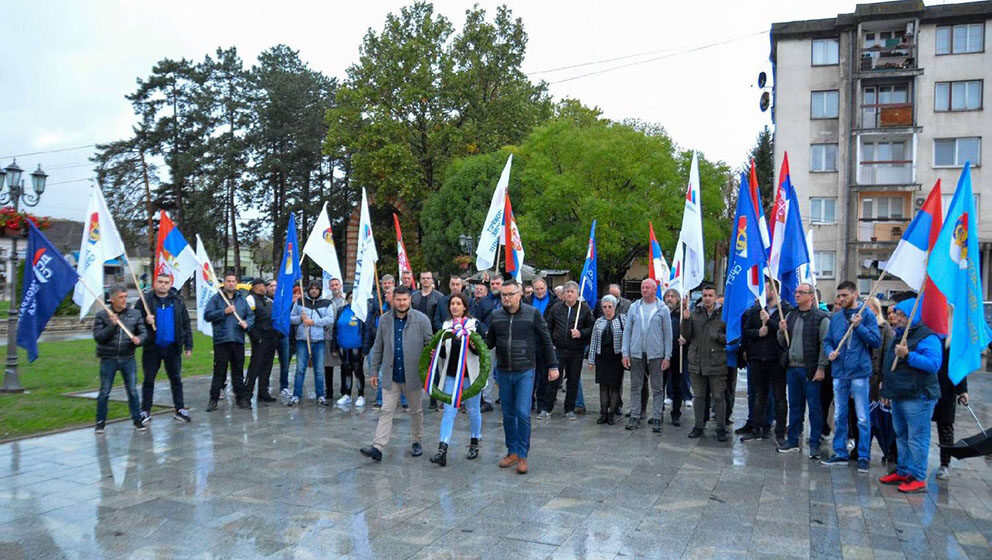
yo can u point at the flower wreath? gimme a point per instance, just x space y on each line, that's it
427 362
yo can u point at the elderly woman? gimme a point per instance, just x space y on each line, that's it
605 357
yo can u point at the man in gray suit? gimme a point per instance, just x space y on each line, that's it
400 338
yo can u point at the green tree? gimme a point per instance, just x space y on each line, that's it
763 154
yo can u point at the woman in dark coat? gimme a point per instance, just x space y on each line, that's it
605 357
943 414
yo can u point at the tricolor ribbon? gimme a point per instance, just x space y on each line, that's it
459 330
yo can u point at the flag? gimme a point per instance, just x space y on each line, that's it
688 266
101 242
747 261
44 288
954 269
589 280
320 246
289 274
173 255
752 188
789 251
206 286
806 273
365 258
514 246
402 260
492 230
657 267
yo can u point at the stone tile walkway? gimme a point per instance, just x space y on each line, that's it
280 482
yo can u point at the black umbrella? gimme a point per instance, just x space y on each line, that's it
975 446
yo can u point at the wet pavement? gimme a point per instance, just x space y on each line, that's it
280 482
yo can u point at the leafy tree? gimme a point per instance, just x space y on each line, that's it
763 154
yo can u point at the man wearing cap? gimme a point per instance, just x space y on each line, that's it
263 342
311 315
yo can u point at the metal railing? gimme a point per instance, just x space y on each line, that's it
893 56
893 172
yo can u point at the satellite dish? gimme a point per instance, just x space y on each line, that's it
765 101
762 79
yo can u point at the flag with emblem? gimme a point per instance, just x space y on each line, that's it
289 274
365 258
747 261
101 242
205 282
514 246
45 285
173 255
589 280
688 266
401 258
492 230
320 245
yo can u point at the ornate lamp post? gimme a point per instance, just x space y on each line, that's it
13 192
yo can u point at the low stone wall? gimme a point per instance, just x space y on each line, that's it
73 324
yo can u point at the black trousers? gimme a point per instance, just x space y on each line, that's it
762 373
778 386
674 377
352 367
229 354
609 398
152 358
570 366
730 393
263 354
541 386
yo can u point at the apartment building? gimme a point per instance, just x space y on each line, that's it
873 108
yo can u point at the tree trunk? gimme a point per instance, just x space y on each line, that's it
227 233
149 209
234 229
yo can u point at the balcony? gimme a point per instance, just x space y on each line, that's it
891 172
881 231
893 55
887 115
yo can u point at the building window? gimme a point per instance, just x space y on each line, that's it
823 157
958 39
824 104
953 152
958 96
945 201
826 52
824 263
823 210
883 208
886 106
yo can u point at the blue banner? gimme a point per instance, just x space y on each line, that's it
47 280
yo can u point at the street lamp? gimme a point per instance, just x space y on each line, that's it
466 242
13 192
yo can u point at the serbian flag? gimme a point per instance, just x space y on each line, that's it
658 267
752 187
401 258
173 255
514 247
589 279
788 251
909 260
747 261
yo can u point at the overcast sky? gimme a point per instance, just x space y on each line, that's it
66 66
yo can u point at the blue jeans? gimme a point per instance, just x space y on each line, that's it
108 369
302 357
451 412
911 420
856 389
282 350
803 393
580 401
751 395
515 390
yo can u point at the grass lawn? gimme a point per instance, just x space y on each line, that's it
66 367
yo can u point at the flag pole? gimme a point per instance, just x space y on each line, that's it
850 327
303 307
141 294
378 287
916 304
778 296
104 305
223 296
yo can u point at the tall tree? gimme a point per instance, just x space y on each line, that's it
127 178
763 154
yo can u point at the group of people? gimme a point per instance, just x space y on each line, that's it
800 361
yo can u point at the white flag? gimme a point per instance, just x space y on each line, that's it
687 264
805 272
205 287
492 230
101 243
365 258
320 245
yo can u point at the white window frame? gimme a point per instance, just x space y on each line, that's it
877 202
824 95
957 161
821 217
834 43
813 168
817 257
950 95
977 28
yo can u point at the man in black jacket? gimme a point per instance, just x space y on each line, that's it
542 299
570 323
514 331
263 342
764 368
116 352
170 338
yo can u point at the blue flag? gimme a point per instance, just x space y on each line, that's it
953 268
46 284
289 274
744 269
589 281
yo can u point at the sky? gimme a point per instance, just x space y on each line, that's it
67 65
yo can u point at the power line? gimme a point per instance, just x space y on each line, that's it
48 151
69 181
694 49
603 61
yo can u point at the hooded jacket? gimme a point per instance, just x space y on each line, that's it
321 311
854 357
183 332
915 376
226 327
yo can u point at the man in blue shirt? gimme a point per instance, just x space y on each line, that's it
169 339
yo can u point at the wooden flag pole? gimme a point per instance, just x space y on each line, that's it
850 327
378 287
220 290
916 304
104 306
303 307
778 296
141 294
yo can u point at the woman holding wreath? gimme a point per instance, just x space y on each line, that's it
454 368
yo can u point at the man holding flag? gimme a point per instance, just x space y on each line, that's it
169 340
231 317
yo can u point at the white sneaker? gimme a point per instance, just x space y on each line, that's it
292 401
943 472
322 400
345 400
544 414
668 401
360 402
687 403
286 392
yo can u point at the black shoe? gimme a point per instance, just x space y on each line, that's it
814 454
406 407
266 398
441 457
611 419
138 426
601 419
695 433
634 424
755 435
372 453
416 450
721 435
747 428
100 427
432 406
473 449
676 420
657 427
212 405
486 407
244 404
626 415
